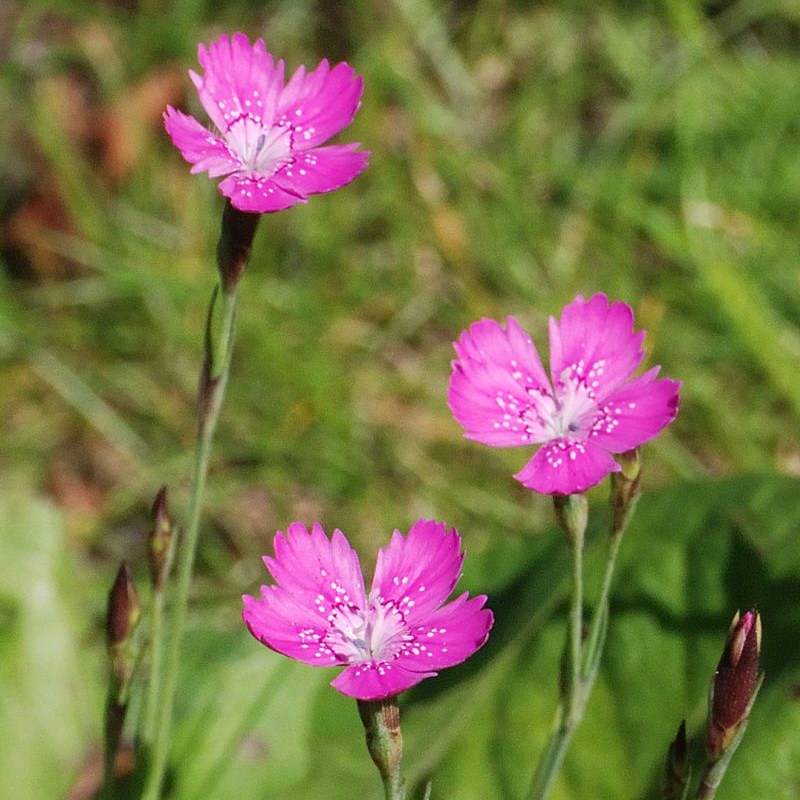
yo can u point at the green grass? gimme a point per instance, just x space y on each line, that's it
521 154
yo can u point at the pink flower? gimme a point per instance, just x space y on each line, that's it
268 133
389 640
501 395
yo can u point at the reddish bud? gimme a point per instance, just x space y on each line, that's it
677 772
235 242
734 684
159 539
123 607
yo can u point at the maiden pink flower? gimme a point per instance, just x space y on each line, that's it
269 133
389 640
501 395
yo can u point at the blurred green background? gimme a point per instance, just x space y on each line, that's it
521 153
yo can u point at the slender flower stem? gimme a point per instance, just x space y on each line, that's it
596 640
393 787
114 720
212 389
582 661
381 720
156 660
574 701
625 490
571 512
156 651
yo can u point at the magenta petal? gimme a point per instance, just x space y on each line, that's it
417 572
636 413
496 377
268 131
595 341
449 635
319 104
376 680
566 466
240 80
317 612
321 169
200 147
256 194
317 572
285 625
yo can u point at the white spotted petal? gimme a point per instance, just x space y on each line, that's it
267 137
589 409
317 611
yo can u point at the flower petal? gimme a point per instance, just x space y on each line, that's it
321 169
240 80
566 466
636 413
256 194
376 680
201 148
319 104
596 343
448 636
417 572
287 626
496 377
319 573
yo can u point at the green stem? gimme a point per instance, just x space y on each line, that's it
596 641
212 390
393 787
572 515
582 662
156 659
574 703
551 760
381 719
114 720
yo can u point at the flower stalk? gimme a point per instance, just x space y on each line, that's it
232 253
677 770
582 658
572 515
161 551
381 719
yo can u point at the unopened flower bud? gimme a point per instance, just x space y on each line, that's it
123 607
159 540
625 490
735 683
630 464
677 771
121 620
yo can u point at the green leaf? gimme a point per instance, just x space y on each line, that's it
50 703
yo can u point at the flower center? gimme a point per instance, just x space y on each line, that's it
260 149
375 634
569 413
